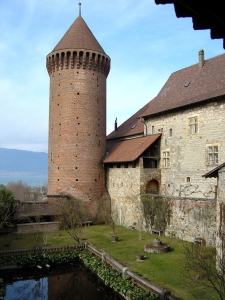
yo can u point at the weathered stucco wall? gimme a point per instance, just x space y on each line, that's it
188 152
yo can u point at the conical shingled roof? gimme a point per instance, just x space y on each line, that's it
79 36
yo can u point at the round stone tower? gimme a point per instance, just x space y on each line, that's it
78 68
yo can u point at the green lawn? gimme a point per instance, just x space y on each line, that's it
164 270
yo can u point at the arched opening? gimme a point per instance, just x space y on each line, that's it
93 61
57 61
74 60
152 187
62 60
81 56
98 62
68 55
87 59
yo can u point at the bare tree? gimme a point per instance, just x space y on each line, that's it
20 190
31 213
24 192
109 221
200 266
72 217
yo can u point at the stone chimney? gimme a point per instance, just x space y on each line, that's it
115 127
201 58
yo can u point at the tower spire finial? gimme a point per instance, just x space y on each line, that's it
79 9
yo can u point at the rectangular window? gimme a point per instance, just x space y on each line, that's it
193 125
212 155
170 132
166 159
153 129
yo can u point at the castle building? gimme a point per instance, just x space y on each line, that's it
78 67
165 148
161 153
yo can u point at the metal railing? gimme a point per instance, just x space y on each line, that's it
36 250
141 282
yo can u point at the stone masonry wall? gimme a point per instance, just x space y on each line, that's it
146 175
123 185
38 227
184 218
192 218
220 234
188 152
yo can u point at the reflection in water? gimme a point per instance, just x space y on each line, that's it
70 282
27 289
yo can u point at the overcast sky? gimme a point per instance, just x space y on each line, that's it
146 43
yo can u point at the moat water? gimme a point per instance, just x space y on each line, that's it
69 282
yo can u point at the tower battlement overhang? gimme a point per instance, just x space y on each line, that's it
78 59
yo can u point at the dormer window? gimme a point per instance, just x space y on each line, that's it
187 84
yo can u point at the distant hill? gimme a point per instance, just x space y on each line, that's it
22 161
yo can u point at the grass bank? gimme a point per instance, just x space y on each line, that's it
164 270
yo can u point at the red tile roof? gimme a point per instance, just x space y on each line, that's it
125 129
204 83
130 149
79 36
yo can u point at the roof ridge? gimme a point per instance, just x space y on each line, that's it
205 60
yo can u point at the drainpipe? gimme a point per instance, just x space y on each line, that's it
145 125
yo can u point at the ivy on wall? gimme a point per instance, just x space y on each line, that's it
156 211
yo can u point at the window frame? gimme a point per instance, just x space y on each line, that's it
212 154
166 158
193 124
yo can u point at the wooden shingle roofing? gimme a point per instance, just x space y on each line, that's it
79 36
128 150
